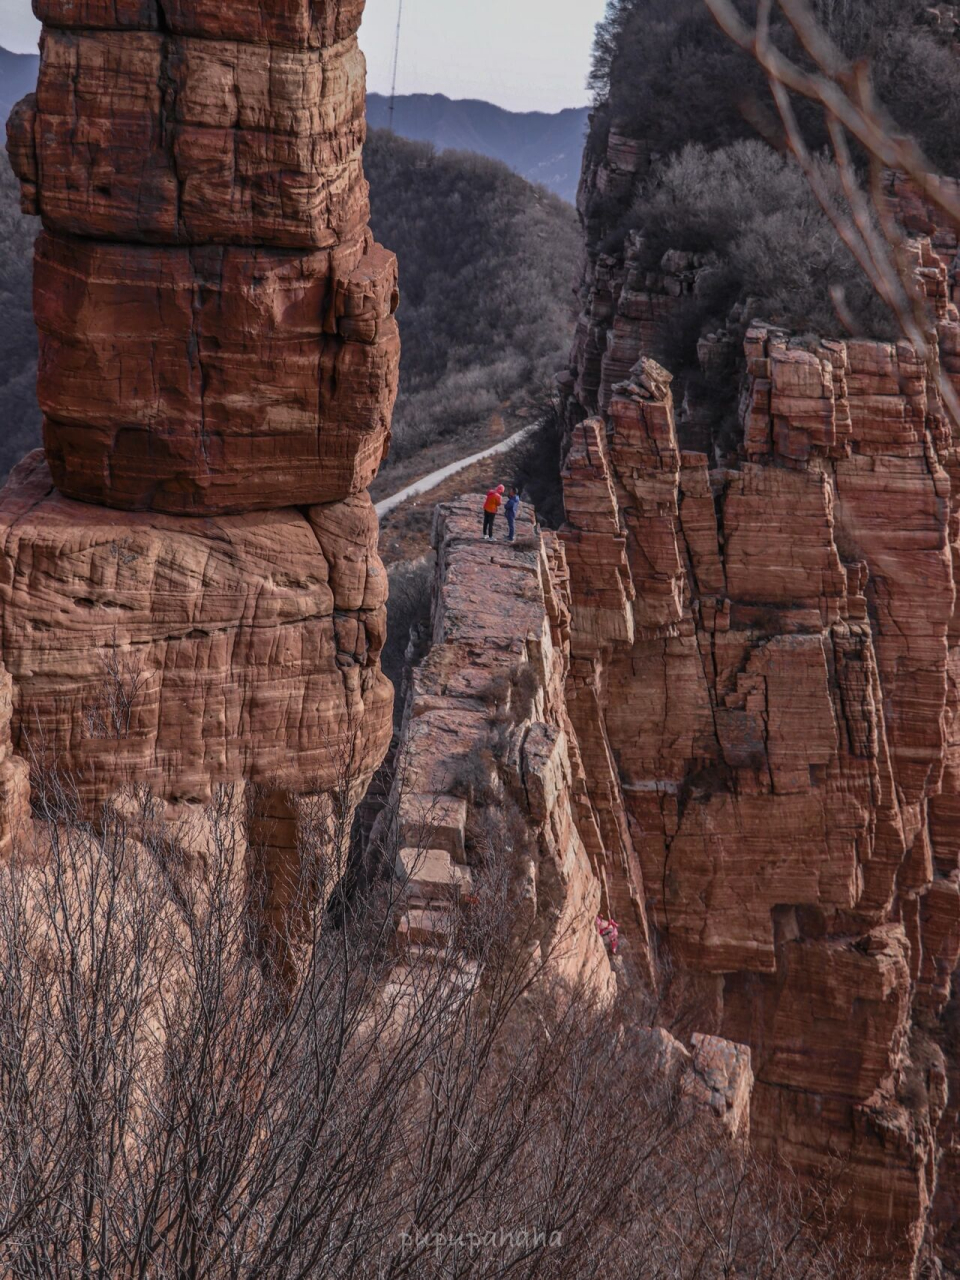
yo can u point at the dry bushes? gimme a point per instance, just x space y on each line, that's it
752 217
667 75
167 1109
664 73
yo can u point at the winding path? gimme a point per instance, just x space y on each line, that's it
426 483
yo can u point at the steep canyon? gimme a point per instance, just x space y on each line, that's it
721 703
741 737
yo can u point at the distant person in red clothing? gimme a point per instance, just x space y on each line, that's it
490 509
609 931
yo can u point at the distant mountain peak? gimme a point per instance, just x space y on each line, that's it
18 77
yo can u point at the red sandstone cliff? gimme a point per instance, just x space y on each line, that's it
739 738
218 364
216 327
723 702
764 688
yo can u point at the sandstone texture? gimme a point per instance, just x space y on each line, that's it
486 732
216 322
214 379
764 650
769 650
713 1078
191 600
490 768
180 654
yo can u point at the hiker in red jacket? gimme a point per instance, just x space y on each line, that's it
490 509
609 931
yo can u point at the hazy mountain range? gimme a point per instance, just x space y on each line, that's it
540 147
18 75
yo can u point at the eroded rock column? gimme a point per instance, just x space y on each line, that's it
766 650
190 585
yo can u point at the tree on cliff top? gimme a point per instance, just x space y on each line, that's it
667 76
664 72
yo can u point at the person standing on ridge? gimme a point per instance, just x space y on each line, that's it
490 509
511 508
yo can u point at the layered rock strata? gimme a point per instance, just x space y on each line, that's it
216 323
769 651
190 591
764 643
486 731
179 654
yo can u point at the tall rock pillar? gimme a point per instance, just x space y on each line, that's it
189 581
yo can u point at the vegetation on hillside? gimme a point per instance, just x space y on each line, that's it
715 179
750 213
19 413
666 73
543 147
487 265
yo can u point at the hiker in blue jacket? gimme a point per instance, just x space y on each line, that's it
511 507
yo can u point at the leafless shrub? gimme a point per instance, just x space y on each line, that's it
497 690
748 214
526 685
474 776
122 683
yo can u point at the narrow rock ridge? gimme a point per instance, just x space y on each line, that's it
486 732
490 758
190 590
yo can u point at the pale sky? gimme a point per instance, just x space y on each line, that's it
524 54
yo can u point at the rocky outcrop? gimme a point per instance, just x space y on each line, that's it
488 754
180 654
190 591
491 781
764 642
764 599
773 681
751 672
14 777
920 215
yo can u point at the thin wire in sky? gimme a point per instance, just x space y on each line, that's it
396 63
